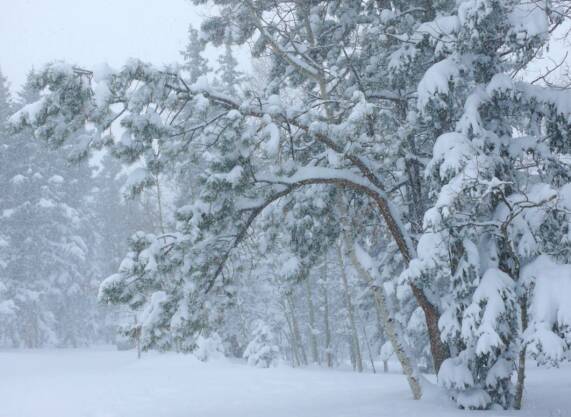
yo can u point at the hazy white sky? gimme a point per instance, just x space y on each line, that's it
88 32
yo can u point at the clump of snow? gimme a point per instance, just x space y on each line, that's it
472 9
154 309
102 93
440 32
29 113
473 399
8 308
56 179
137 179
451 152
272 145
7 213
436 80
550 309
565 196
387 351
235 175
18 179
455 375
290 267
529 19
274 104
500 370
102 72
387 15
500 83
401 57
494 288
201 84
234 114
46 203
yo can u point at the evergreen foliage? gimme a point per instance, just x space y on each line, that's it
394 146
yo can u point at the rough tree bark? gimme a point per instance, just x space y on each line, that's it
376 191
518 399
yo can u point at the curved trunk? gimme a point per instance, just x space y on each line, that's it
380 299
389 325
438 348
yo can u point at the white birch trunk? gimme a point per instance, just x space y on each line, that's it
350 313
388 323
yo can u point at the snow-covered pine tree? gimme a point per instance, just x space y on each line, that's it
8 309
194 63
358 94
46 276
228 71
495 173
117 218
262 350
306 143
6 106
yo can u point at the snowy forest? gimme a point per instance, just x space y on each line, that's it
370 214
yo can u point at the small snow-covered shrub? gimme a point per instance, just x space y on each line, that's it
262 351
208 348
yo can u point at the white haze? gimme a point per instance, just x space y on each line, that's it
33 32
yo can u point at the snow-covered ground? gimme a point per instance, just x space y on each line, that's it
107 383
